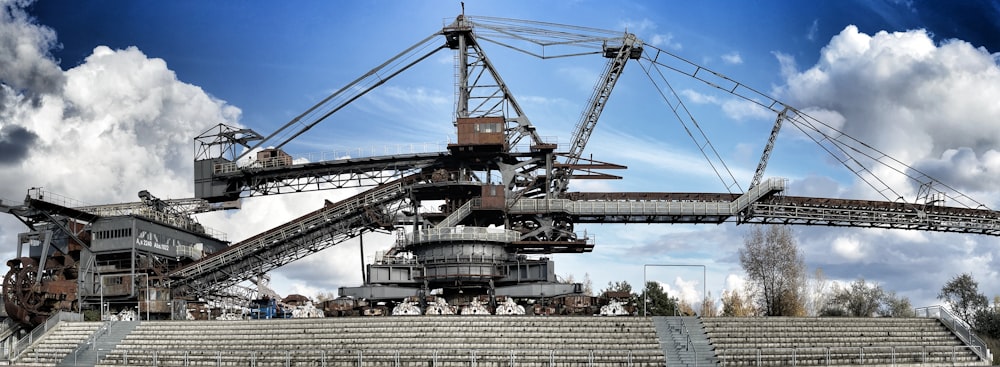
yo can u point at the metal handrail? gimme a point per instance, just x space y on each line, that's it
91 341
864 353
36 333
957 326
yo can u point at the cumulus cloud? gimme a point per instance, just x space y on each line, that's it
930 105
25 62
903 93
118 123
121 122
14 143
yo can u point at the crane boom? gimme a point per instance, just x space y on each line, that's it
631 48
759 174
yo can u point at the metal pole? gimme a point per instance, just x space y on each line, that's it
644 295
364 274
101 279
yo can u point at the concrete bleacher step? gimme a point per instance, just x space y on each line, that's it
836 341
487 340
56 344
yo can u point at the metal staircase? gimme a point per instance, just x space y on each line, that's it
684 341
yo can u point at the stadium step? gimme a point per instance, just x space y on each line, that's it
102 343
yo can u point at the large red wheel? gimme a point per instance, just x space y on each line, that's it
21 300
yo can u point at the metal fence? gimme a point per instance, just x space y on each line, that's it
367 357
959 327
40 330
828 356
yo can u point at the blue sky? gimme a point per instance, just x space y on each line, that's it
183 66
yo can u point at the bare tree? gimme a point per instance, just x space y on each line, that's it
326 296
588 285
708 308
775 270
963 297
819 293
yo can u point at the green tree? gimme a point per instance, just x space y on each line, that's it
895 306
858 299
621 286
658 302
962 295
775 270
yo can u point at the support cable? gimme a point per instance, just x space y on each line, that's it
701 143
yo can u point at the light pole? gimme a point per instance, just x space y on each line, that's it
645 294
102 306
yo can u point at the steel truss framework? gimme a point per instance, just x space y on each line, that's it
533 204
535 182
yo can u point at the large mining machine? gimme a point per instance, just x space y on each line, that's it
475 221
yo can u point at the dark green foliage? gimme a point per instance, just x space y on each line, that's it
658 302
963 297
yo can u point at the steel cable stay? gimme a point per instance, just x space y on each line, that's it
728 183
352 91
846 143
843 141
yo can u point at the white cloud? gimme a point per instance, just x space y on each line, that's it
25 63
813 30
902 93
848 248
646 30
735 282
932 106
732 58
734 108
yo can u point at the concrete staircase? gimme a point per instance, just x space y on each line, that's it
684 341
100 343
57 343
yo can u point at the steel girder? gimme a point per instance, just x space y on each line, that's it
334 174
874 214
294 240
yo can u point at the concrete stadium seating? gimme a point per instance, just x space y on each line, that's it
836 341
55 345
514 341
386 341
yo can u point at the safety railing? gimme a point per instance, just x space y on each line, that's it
959 327
332 155
837 356
388 357
463 234
40 330
610 207
91 342
462 212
